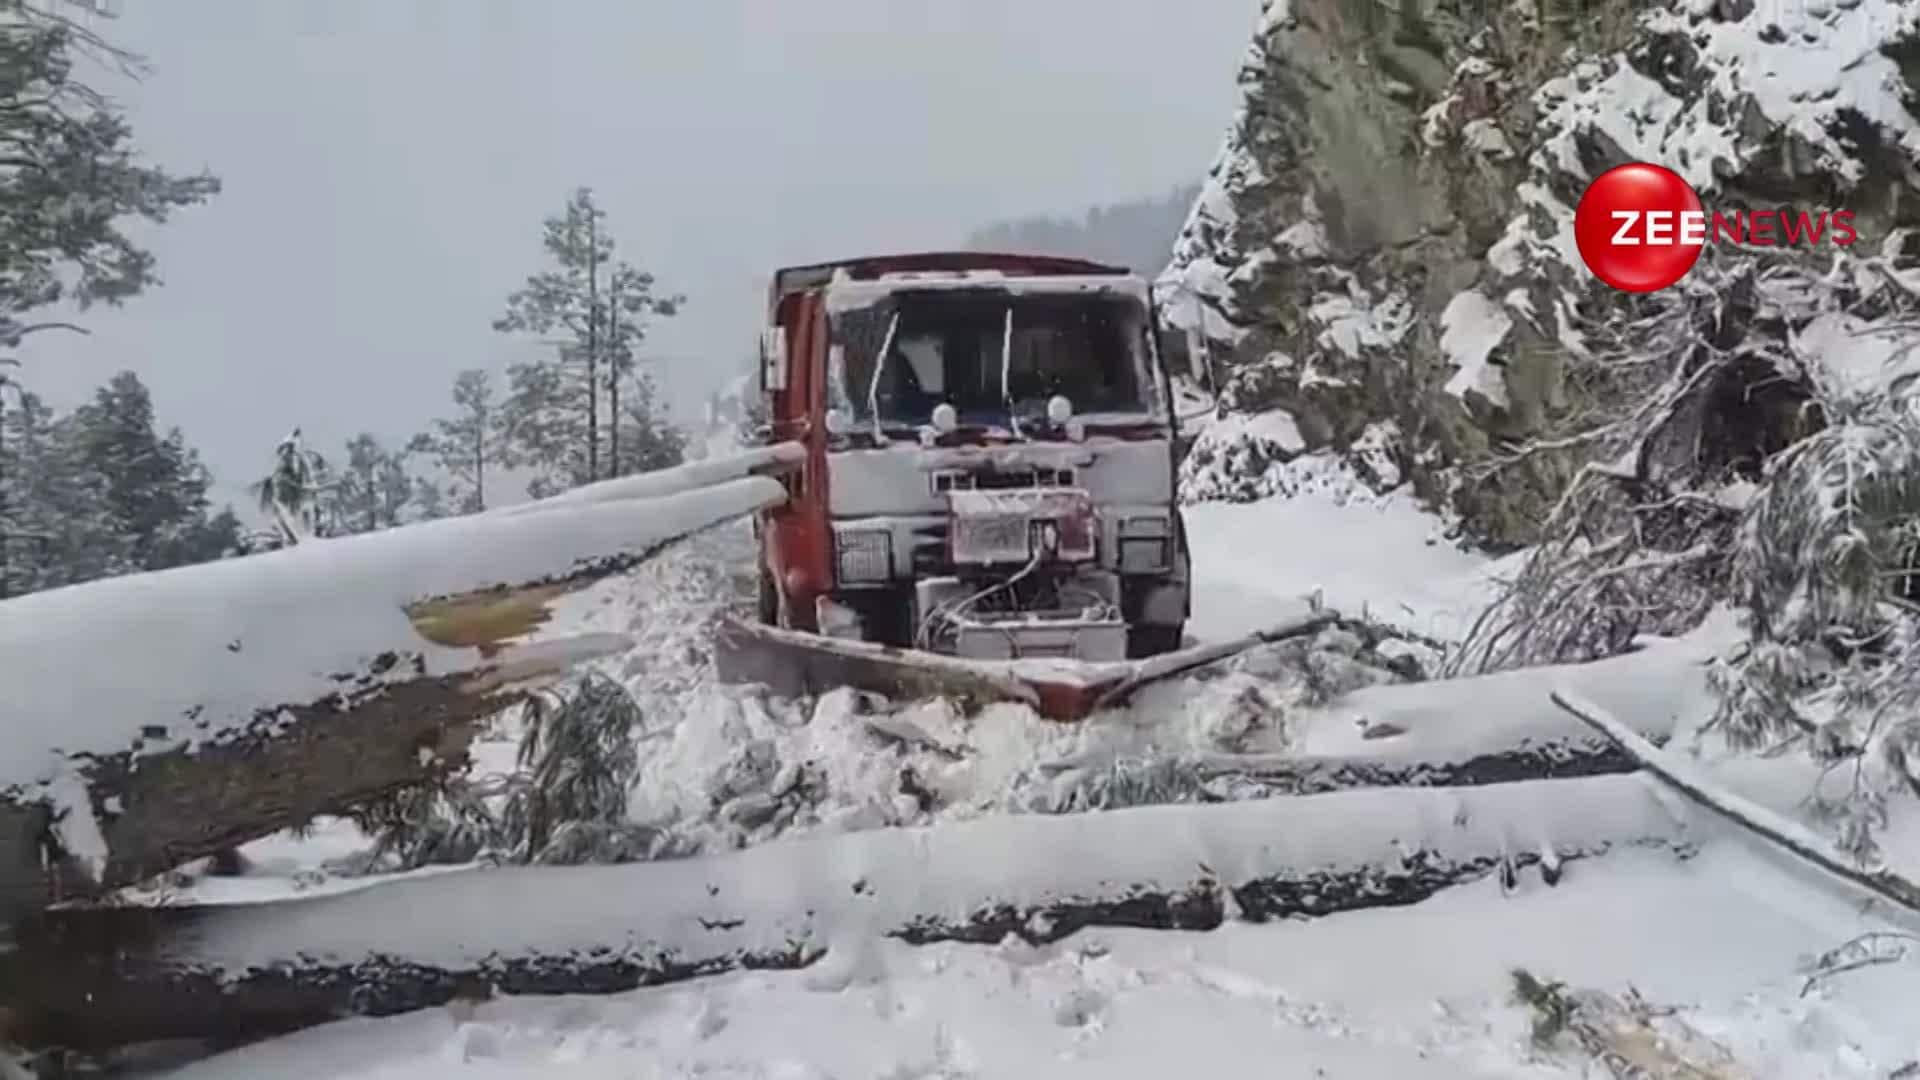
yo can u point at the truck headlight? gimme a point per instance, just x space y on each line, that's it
1146 545
864 555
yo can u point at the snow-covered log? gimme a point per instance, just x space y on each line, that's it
156 718
1486 729
757 461
1490 728
118 974
1688 779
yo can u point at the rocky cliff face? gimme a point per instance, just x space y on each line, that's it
1383 252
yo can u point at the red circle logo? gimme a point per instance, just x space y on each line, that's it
1640 227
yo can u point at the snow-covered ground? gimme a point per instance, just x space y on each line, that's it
1421 991
1380 557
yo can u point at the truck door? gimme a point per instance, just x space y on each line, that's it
796 538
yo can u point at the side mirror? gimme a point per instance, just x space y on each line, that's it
1187 352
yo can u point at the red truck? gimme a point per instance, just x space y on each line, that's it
989 478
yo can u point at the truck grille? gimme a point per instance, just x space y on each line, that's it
1001 480
930 550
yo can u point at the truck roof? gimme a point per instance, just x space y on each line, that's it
797 278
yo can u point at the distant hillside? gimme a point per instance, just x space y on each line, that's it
1137 234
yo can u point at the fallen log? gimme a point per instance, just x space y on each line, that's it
756 461
1658 686
158 718
1486 729
1282 774
1770 825
93 978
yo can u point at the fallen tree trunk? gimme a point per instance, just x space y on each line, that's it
106 976
1543 760
1487 729
158 718
1452 720
1688 779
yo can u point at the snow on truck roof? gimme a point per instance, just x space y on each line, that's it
846 293
885 272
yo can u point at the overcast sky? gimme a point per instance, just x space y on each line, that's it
388 162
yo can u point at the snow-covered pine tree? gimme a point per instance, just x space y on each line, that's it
56 522
428 501
580 762
566 803
639 437
156 488
100 492
467 444
71 178
599 307
299 491
393 487
374 486
647 440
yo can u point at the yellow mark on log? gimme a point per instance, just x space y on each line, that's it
487 620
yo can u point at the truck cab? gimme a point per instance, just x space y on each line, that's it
990 463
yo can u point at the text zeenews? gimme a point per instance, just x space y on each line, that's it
1641 227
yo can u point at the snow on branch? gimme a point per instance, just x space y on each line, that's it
1693 782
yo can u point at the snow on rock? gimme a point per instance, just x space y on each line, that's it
206 652
1233 455
1805 67
1819 71
1472 326
1195 290
1355 321
75 825
1850 358
1377 451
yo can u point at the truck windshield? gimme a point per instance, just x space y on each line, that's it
954 346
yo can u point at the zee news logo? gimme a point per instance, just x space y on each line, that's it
1641 227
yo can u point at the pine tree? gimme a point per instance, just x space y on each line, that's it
465 445
651 442
299 491
100 492
374 487
429 502
69 177
599 307
53 527
155 487
393 488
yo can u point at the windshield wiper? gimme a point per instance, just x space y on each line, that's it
873 385
1006 368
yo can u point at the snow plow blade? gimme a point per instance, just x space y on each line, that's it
798 664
